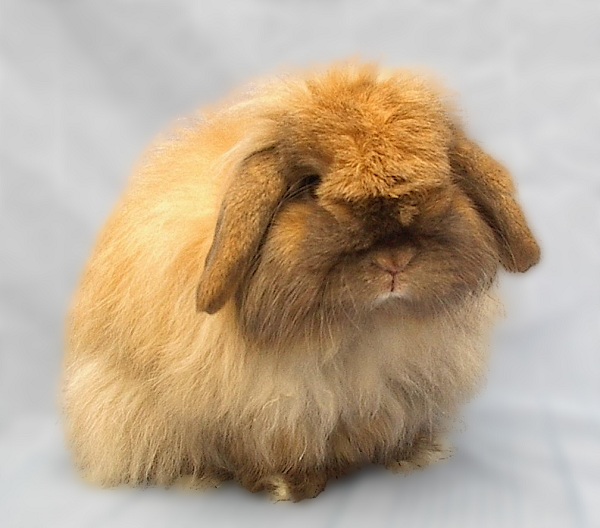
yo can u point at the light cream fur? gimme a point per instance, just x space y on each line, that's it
207 391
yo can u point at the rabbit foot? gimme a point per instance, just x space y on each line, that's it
284 487
424 451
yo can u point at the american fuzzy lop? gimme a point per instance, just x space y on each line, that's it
237 319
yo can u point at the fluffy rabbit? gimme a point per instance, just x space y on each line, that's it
297 284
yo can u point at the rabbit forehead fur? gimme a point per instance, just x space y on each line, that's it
368 136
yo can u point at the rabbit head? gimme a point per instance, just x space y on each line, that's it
363 194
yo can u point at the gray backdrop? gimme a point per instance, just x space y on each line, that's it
86 85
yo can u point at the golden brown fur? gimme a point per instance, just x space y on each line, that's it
344 235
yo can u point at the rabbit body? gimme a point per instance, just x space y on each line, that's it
155 391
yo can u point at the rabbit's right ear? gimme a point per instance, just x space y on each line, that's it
247 209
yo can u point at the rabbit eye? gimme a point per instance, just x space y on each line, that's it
307 186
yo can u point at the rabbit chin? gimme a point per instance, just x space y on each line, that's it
400 293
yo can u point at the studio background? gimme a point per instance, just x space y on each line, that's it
86 85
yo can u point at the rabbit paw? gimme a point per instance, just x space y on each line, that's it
283 487
423 452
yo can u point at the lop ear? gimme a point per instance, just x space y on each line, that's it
489 185
247 209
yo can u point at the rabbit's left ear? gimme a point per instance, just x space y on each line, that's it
489 185
255 191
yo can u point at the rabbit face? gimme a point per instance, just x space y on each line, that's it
366 196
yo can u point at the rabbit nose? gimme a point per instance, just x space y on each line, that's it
394 260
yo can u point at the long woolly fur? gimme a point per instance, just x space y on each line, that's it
154 390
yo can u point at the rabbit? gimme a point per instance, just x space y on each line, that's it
296 283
